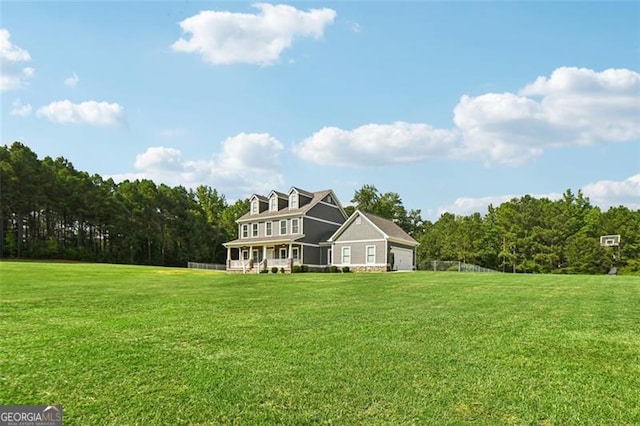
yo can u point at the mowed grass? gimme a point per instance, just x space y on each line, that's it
143 345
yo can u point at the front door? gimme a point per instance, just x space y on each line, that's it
256 256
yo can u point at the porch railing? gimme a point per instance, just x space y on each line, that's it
263 264
282 262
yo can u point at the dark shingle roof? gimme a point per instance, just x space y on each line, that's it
279 194
316 197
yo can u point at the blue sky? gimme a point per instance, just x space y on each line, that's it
452 105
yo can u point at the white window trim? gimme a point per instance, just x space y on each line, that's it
342 257
294 197
245 231
297 221
273 204
254 207
285 227
254 230
366 255
295 253
268 230
282 250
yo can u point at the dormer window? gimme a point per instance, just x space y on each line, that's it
293 201
254 207
273 204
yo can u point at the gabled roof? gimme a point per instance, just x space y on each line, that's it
259 197
316 197
278 194
388 228
302 192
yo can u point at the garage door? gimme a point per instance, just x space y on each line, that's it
403 259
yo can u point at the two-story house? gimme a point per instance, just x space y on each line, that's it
282 230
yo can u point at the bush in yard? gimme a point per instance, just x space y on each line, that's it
274 270
296 269
346 269
282 270
304 268
334 269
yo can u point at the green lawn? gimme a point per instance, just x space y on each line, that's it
143 345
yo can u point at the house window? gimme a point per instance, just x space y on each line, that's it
329 257
245 231
283 253
245 254
371 254
346 255
293 201
254 230
358 220
254 207
295 226
283 227
273 204
268 230
295 253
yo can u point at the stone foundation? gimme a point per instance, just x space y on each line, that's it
368 268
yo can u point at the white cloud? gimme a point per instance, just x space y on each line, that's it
245 164
20 109
72 81
376 144
607 193
12 75
571 107
222 37
89 112
604 194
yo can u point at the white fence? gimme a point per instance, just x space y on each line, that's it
215 266
452 265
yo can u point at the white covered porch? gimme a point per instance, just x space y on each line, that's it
259 257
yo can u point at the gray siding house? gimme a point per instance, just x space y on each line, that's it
282 230
368 243
311 228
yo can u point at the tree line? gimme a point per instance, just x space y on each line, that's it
523 235
50 210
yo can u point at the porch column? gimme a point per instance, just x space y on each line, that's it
264 252
228 253
290 254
